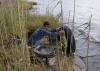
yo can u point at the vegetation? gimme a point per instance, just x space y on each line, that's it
15 22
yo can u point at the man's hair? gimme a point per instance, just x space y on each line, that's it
46 23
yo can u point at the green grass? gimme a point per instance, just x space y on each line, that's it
37 21
15 19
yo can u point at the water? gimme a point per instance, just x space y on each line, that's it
84 9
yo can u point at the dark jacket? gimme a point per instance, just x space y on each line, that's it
37 35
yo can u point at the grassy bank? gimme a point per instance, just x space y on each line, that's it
15 22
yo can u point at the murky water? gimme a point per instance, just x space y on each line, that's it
84 9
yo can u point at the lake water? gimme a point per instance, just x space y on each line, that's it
84 9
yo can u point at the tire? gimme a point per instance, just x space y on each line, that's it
71 44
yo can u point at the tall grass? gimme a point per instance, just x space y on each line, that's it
13 57
15 20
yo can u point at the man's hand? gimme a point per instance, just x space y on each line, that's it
44 41
60 28
62 32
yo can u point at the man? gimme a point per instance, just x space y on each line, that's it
34 39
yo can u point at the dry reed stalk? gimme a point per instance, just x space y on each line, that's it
89 29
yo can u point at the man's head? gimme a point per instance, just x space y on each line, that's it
46 24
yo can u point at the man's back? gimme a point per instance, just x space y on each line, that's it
38 34
35 36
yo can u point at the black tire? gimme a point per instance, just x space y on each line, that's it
70 41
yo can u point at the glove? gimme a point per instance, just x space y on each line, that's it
60 28
62 32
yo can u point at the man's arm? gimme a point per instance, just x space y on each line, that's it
48 33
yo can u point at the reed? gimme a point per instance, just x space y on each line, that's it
16 21
89 30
